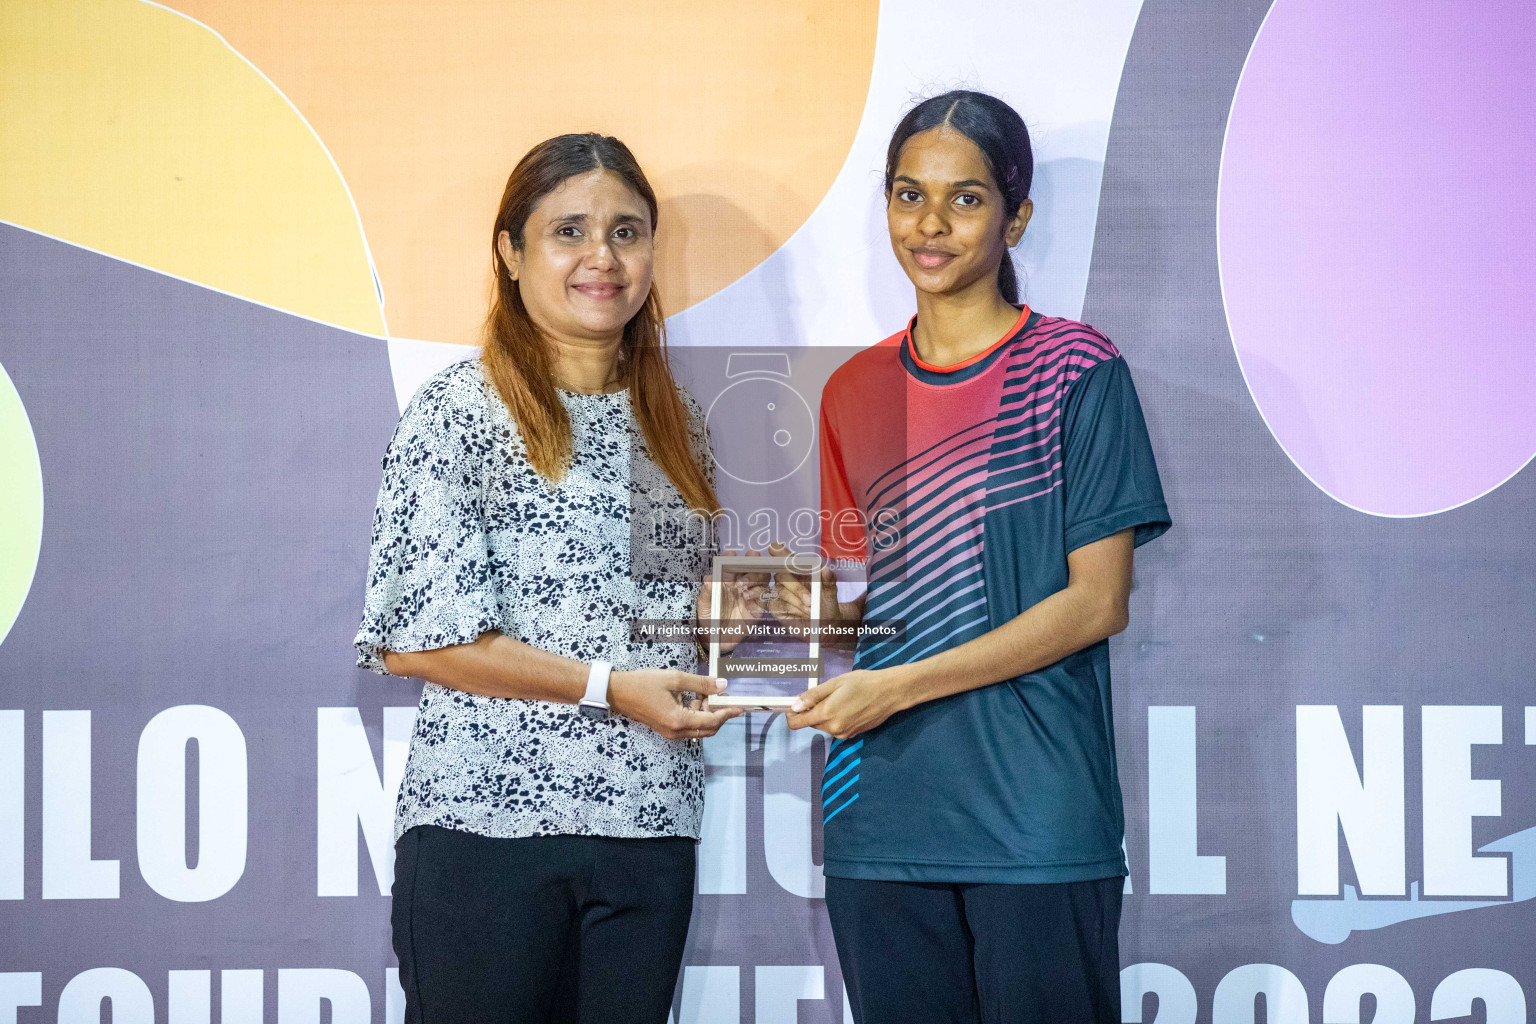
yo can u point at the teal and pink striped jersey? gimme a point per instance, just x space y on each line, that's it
962 489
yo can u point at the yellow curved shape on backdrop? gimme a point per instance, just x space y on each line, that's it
21 513
741 114
128 128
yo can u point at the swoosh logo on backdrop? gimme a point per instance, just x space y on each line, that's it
1334 920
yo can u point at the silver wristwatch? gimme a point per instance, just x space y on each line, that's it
594 704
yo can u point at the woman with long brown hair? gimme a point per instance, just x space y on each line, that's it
552 796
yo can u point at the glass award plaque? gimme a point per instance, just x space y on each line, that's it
787 661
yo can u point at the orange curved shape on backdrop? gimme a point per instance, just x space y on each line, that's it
740 115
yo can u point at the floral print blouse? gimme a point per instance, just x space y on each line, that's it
468 538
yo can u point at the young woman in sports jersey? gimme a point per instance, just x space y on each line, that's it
973 822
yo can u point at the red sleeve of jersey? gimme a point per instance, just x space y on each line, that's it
842 521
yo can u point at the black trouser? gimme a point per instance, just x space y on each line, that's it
944 953
549 928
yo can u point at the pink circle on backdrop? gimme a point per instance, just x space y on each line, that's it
1376 227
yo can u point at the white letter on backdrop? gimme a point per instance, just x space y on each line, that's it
18 989
350 795
240 997
221 803
68 871
711 995
299 993
1368 804
1174 866
394 997
80 1002
1452 798
1285 998
1503 998
787 809
1394 996
723 843
13 805
1176 1002
189 997
780 989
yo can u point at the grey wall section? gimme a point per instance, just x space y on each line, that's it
209 471
1352 609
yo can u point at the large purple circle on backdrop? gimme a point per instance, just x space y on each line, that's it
1376 216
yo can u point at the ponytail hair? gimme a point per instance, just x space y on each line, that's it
998 131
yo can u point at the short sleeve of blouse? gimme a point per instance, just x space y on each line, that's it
429 578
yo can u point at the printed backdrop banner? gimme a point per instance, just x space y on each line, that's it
237 236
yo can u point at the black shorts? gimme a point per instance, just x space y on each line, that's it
581 929
950 953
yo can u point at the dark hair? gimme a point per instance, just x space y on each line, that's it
997 130
518 360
